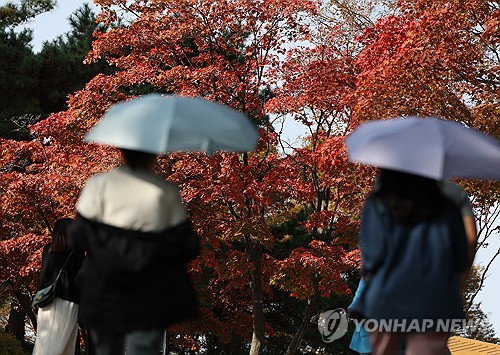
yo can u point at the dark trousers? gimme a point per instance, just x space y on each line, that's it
137 342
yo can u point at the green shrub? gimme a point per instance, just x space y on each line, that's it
9 345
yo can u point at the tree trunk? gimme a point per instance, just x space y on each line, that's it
15 324
25 303
299 335
258 338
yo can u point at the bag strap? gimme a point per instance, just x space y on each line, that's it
62 268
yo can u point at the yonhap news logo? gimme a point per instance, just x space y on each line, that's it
333 324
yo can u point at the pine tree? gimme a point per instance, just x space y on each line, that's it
18 68
62 68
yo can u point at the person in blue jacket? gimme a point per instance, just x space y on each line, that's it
414 253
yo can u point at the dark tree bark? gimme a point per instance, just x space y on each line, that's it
15 325
258 338
25 303
299 335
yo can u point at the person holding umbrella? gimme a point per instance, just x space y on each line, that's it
133 223
415 250
360 340
135 229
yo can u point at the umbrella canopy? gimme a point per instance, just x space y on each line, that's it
426 146
159 124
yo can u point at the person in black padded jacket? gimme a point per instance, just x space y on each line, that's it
138 239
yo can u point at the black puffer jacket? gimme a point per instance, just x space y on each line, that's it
135 280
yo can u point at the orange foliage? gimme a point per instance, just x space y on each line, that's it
433 57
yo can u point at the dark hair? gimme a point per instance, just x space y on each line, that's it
411 198
59 241
136 159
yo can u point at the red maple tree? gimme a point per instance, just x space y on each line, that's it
268 59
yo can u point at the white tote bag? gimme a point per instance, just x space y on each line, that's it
57 328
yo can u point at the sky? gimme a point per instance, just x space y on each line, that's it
48 26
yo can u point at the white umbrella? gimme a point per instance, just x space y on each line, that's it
425 146
159 124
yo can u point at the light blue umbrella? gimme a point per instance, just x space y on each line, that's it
426 146
159 124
